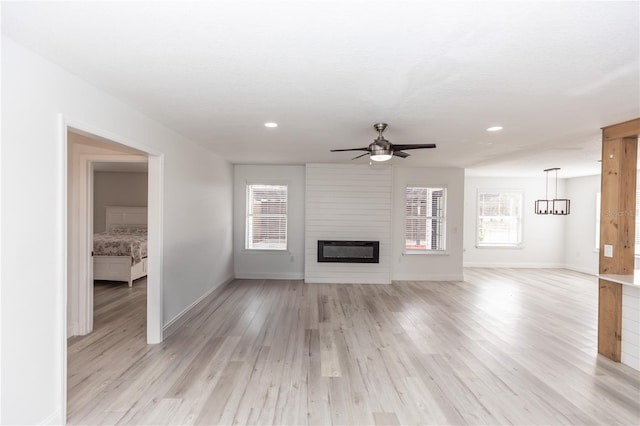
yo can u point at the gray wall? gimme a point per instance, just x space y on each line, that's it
116 189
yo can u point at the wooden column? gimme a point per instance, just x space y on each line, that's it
617 228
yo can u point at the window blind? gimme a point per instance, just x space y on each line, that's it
499 218
266 217
425 218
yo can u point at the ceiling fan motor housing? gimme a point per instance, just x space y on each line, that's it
380 146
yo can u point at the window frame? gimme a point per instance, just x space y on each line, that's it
443 219
520 219
248 215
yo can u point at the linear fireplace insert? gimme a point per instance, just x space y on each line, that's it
349 251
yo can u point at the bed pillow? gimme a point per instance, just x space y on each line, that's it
129 229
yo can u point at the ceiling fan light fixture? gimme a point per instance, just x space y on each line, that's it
380 157
380 153
383 150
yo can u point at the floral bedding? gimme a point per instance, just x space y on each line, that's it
122 242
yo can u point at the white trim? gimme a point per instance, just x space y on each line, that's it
155 246
52 419
442 218
72 328
61 327
428 277
521 218
582 269
500 246
519 265
267 251
246 218
155 243
348 281
269 276
426 252
185 315
83 280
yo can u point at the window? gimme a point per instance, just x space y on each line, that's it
637 220
425 218
499 219
266 217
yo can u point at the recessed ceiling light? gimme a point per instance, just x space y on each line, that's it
270 124
494 128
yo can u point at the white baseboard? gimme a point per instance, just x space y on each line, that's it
53 419
428 277
170 327
72 329
533 265
590 271
269 276
345 281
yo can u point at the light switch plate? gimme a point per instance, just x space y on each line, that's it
608 250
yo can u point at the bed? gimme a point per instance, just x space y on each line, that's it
120 253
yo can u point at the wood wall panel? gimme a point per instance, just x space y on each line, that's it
618 205
617 228
348 202
626 129
610 319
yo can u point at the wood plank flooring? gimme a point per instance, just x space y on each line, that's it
503 347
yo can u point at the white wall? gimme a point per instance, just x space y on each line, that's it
429 267
580 231
348 202
630 346
270 264
543 235
116 189
197 215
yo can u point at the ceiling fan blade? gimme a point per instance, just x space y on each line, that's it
351 149
355 158
414 146
400 154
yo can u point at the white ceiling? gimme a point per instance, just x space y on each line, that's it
551 73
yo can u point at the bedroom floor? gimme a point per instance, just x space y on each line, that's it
504 347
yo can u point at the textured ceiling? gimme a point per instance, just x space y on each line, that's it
551 73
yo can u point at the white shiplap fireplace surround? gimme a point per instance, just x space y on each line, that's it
348 202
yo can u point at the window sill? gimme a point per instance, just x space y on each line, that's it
265 251
517 247
425 252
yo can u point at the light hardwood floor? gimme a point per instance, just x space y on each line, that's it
503 347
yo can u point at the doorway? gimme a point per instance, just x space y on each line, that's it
84 151
79 165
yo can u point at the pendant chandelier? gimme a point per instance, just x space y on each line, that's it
557 206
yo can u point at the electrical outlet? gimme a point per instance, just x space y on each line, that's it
608 250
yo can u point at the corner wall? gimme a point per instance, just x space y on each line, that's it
197 222
429 267
270 264
543 235
580 232
116 189
348 202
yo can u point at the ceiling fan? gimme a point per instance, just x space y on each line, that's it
382 150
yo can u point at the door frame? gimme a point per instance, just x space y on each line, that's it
82 302
155 241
